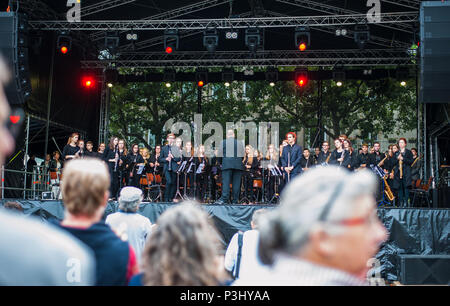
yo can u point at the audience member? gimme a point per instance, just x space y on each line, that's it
324 231
241 258
183 250
85 195
127 223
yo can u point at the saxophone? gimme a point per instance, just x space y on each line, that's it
388 190
400 167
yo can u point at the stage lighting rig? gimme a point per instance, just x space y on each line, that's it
339 76
169 76
112 41
301 77
171 41
302 38
210 40
64 43
402 74
361 35
227 76
111 76
253 39
271 75
231 34
201 77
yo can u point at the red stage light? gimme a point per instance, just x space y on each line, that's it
301 81
200 83
302 47
169 50
64 49
14 119
88 83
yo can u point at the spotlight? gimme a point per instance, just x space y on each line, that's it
301 77
201 76
169 76
110 85
403 83
227 76
111 76
339 76
302 38
64 43
253 38
402 74
168 85
231 34
272 84
210 40
340 32
272 75
361 35
170 41
88 82
132 36
112 41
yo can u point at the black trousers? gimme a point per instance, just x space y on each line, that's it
248 186
134 180
202 185
231 176
171 185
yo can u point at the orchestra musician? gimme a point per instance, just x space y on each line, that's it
169 162
80 145
364 160
71 148
402 174
271 160
152 161
415 167
111 157
324 155
123 166
202 165
316 155
88 152
349 149
101 150
377 156
251 167
134 161
231 152
339 156
290 157
189 158
307 161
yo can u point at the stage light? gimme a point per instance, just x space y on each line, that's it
302 38
64 43
403 83
210 40
272 84
271 75
228 76
231 35
112 41
168 85
402 74
227 84
201 76
110 85
169 76
361 35
171 40
253 39
301 77
88 82
339 76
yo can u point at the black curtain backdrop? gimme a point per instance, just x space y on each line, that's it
411 231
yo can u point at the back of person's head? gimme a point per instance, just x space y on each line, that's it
287 229
182 250
256 217
84 185
129 199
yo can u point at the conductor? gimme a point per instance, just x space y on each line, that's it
232 168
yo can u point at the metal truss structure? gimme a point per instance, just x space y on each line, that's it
102 6
224 23
412 4
328 9
376 57
192 8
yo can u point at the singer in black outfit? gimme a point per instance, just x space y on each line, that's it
111 157
251 166
170 166
202 165
71 148
134 160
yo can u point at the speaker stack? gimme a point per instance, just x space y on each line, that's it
14 49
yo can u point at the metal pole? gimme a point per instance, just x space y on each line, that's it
49 97
3 182
425 151
25 157
199 100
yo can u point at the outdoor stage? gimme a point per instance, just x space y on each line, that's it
411 231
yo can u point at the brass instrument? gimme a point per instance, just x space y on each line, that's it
388 190
328 158
416 160
400 166
382 161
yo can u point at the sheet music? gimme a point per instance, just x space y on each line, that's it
140 169
200 168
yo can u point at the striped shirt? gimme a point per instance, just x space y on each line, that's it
290 271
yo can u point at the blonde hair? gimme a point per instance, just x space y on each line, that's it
183 249
84 185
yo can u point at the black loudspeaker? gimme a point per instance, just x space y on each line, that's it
14 49
424 269
435 52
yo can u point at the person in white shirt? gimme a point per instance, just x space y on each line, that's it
249 262
324 233
127 223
